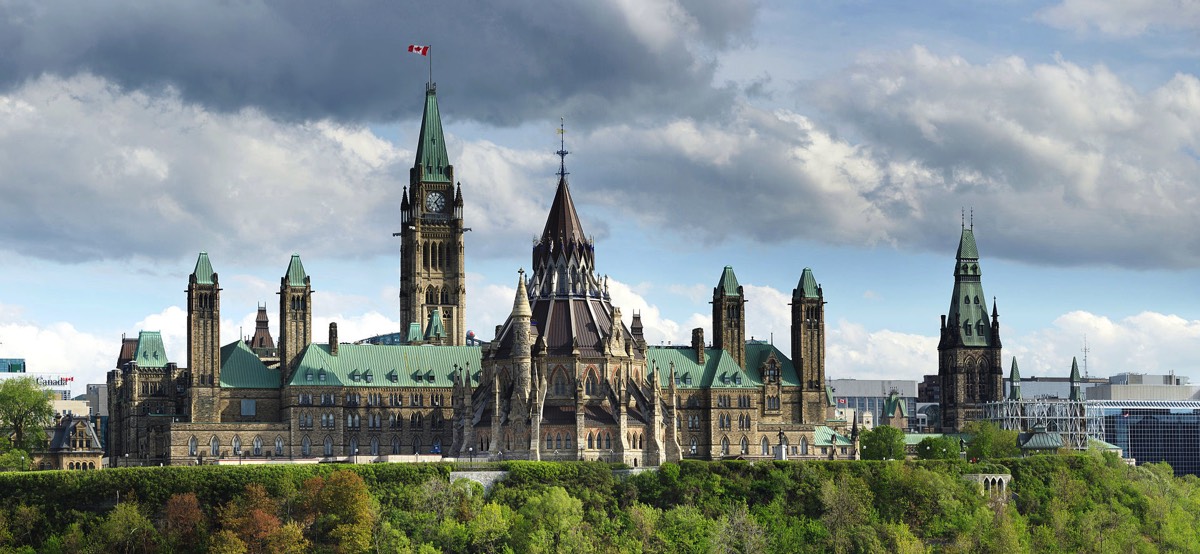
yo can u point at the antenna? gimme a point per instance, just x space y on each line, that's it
562 148
1085 356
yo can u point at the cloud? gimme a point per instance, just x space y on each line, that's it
96 172
503 62
1147 342
1124 19
854 352
1046 150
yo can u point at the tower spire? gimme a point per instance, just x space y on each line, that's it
562 148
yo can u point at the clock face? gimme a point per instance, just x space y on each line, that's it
435 202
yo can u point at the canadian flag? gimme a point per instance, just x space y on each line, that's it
418 49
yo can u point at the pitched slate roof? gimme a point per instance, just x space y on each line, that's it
242 369
150 351
64 433
378 365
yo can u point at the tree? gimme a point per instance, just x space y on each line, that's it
989 441
938 448
25 412
882 443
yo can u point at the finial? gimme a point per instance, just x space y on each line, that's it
562 148
972 218
962 217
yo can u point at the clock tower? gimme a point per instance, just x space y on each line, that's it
432 269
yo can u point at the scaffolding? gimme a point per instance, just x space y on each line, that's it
1075 421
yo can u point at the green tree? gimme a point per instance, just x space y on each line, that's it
938 448
25 412
551 522
15 460
882 443
989 441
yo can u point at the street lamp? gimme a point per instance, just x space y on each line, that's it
471 451
126 459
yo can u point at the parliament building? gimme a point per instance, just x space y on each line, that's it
567 376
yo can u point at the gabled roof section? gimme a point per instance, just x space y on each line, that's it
435 329
296 277
414 333
807 287
150 351
825 436
204 271
719 370
728 285
377 365
968 314
241 369
431 146
894 403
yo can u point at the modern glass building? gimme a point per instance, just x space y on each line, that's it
1154 431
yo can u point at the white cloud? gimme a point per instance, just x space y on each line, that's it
1127 18
854 352
1148 342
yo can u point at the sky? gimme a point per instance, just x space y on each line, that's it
855 138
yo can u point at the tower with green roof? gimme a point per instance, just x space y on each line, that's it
969 365
432 268
204 341
295 314
729 316
808 345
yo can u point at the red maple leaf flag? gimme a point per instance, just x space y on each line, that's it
418 49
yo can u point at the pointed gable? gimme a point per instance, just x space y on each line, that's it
431 147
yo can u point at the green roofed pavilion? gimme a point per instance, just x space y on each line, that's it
150 351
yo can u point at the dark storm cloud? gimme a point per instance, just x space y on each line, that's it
499 62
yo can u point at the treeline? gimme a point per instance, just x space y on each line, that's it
1073 503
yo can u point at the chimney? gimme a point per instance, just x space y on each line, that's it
333 340
698 344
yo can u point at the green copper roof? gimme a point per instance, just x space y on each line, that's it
825 436
807 288
414 333
431 147
968 304
719 369
241 369
435 330
1075 369
204 270
296 276
150 351
966 245
728 285
893 403
377 365
1041 439
1014 378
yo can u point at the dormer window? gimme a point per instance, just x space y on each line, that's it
321 375
967 328
308 375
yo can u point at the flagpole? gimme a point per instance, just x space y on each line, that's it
431 65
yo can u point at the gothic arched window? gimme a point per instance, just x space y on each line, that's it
193 446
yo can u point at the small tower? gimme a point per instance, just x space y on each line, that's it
729 317
295 314
1076 390
1014 381
808 345
204 341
